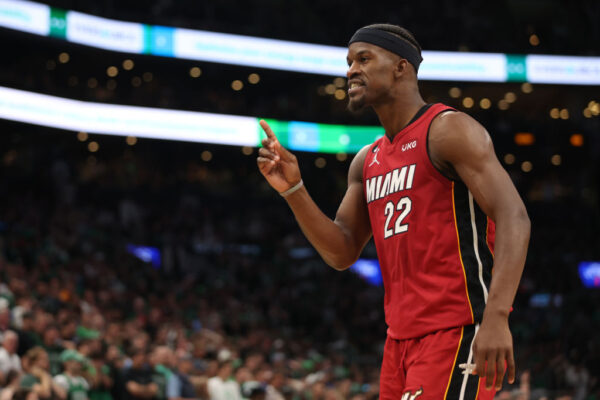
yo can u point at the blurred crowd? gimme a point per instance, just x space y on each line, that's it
240 306
229 314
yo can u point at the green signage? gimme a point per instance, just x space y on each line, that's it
58 23
516 68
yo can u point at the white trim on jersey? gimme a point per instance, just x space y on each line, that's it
476 247
463 387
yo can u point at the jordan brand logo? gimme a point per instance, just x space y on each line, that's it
376 150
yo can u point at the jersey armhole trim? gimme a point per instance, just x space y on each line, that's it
439 174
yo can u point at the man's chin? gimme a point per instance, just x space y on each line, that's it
357 105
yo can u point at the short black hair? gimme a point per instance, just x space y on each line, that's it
399 31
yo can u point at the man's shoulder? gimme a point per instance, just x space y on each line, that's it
358 163
453 122
455 130
365 150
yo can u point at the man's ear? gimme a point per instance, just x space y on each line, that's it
401 67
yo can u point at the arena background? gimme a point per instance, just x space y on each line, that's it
114 243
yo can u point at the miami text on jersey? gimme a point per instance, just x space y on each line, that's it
394 181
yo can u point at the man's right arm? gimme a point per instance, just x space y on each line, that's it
339 242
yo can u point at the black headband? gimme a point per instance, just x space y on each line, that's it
390 42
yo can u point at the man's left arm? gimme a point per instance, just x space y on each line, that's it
462 145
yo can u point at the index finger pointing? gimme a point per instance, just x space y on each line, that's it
267 129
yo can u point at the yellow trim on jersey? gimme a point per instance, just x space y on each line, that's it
462 330
460 255
478 387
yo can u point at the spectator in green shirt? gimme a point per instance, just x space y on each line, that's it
72 379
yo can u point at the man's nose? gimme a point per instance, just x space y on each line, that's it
352 70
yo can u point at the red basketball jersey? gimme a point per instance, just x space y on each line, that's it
435 245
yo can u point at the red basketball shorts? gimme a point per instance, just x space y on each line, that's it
427 368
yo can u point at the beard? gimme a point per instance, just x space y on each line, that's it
356 105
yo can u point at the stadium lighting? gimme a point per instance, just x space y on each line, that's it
526 87
223 48
509 159
368 270
511 97
524 139
156 123
526 166
589 273
468 102
576 140
485 103
128 64
253 78
63 58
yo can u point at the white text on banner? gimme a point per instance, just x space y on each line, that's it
25 16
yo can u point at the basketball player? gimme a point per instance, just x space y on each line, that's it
450 228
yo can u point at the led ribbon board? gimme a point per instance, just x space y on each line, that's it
136 38
156 123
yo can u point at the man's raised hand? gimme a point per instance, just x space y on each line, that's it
278 166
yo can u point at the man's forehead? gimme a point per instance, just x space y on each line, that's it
359 47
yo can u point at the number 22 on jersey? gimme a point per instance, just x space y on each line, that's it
403 208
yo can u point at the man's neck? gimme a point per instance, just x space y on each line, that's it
397 113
